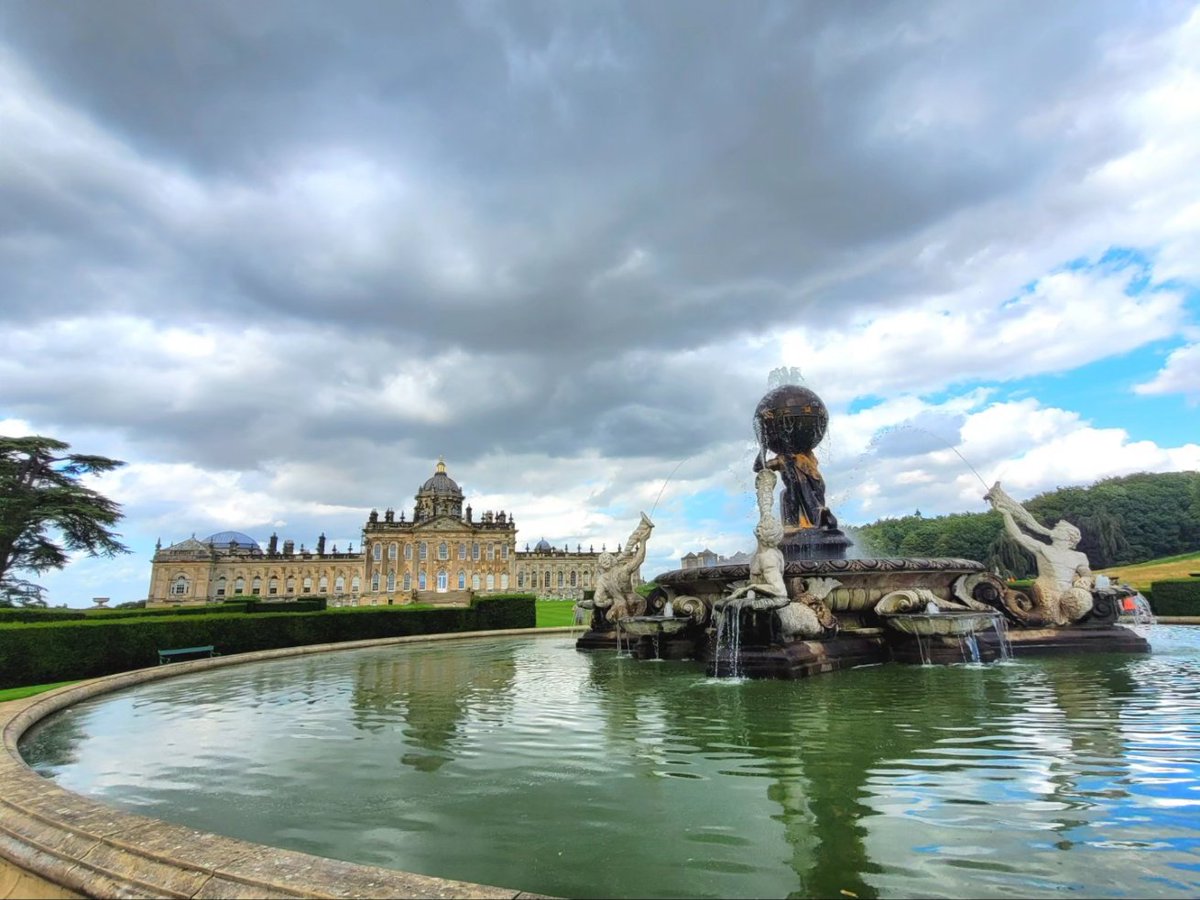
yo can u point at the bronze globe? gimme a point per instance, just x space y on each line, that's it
791 419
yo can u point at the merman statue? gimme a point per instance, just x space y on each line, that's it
1062 592
616 592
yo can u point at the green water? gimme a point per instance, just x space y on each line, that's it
522 763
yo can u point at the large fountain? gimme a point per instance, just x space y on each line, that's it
408 761
801 606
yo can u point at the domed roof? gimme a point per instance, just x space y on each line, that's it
542 545
225 538
441 483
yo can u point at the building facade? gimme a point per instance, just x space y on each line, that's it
442 554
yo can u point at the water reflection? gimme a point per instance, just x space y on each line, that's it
431 692
520 762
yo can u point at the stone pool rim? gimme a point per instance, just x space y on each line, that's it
57 843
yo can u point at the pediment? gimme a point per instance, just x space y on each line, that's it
442 523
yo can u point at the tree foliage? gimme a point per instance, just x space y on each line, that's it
46 512
1122 520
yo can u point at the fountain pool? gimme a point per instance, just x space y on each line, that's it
516 761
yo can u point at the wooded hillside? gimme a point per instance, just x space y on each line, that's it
1123 520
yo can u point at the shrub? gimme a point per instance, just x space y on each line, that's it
497 611
206 610
1175 597
301 604
37 614
33 653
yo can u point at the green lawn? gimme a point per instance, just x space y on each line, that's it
552 613
1143 574
20 693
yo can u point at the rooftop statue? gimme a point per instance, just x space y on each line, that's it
1062 592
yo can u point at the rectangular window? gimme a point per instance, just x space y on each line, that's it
377 552
408 551
424 551
475 551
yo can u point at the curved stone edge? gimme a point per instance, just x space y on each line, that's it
56 843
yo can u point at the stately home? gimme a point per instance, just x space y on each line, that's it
442 554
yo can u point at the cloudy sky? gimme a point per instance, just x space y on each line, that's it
280 257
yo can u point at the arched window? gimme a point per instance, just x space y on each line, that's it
391 551
442 581
521 578
239 585
574 578
408 551
180 586
475 582
560 577
491 582
462 549
546 579
375 582
443 550
339 584
256 586
291 584
391 581
221 584
408 581
273 585
323 584
424 550
462 580
307 584
377 552
421 579
355 584
504 581
475 550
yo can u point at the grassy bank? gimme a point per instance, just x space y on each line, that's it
1143 574
20 693
555 613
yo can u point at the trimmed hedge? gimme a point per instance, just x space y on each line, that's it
39 614
304 604
1175 597
59 651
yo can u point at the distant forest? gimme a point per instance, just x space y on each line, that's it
1123 520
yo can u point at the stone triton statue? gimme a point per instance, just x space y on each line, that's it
802 618
617 575
1062 591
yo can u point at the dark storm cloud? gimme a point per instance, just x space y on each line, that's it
567 194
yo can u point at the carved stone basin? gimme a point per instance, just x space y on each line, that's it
643 625
947 623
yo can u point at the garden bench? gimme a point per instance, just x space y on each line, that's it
166 656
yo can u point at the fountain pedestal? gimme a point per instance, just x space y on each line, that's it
814 543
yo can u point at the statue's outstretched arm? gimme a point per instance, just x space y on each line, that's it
1015 532
1001 501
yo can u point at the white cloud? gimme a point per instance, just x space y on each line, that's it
1179 375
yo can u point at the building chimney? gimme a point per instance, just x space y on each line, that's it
289 547
321 545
